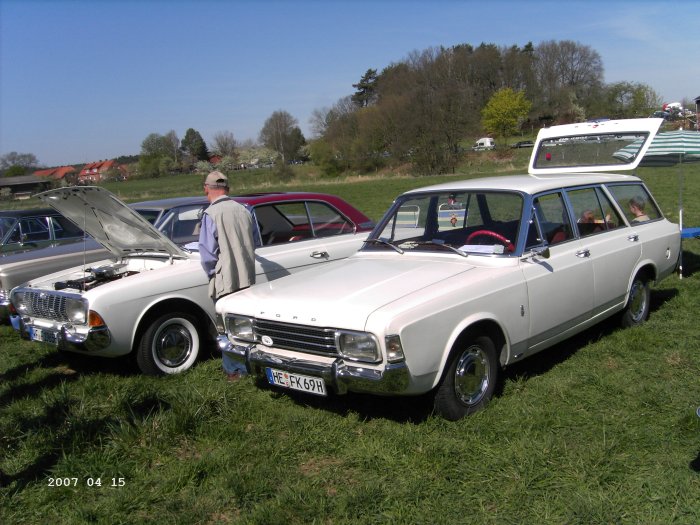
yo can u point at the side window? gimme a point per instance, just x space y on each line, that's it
588 211
635 202
65 229
283 222
553 219
327 221
35 229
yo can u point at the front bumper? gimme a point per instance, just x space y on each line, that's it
338 374
65 337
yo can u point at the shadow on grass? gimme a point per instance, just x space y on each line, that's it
416 409
691 263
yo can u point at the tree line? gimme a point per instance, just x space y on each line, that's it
421 109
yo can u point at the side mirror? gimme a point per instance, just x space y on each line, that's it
540 251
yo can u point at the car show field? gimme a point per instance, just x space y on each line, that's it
597 429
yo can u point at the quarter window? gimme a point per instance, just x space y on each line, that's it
635 202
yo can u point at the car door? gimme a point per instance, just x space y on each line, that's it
298 234
560 287
611 246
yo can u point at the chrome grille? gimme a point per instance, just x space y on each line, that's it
46 305
310 339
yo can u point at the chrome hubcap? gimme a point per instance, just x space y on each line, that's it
472 376
173 344
637 301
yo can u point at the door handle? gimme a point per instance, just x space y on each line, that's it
633 237
583 253
319 255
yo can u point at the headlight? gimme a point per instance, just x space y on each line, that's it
240 327
18 301
76 310
358 346
4 296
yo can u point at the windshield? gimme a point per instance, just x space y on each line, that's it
6 224
463 222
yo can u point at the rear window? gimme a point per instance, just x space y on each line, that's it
606 149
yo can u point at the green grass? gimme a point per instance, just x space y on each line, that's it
599 429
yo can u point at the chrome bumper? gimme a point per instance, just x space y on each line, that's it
97 338
340 375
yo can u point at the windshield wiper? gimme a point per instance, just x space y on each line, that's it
456 250
386 243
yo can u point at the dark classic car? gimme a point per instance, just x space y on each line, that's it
31 229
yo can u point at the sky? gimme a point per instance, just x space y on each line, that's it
89 80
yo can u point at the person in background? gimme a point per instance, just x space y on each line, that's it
226 247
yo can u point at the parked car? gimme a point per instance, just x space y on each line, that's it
483 144
462 279
152 299
31 229
19 267
523 144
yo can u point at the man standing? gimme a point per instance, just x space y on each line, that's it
226 246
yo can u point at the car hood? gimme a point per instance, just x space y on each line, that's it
344 293
109 221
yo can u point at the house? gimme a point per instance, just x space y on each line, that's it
64 173
95 171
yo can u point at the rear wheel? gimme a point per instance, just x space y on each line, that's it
637 309
170 344
470 380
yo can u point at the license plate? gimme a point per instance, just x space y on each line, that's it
310 384
44 336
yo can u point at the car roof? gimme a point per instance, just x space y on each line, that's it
33 212
529 183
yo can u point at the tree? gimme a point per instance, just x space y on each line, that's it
629 100
193 145
157 146
504 112
24 160
366 89
281 134
225 144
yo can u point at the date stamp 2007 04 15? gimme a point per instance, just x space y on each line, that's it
88 482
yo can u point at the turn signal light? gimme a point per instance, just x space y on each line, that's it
94 319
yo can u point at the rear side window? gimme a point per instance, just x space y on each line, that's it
593 211
635 202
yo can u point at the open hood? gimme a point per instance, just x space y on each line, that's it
593 146
109 221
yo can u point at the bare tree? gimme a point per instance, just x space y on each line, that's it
225 144
282 134
24 160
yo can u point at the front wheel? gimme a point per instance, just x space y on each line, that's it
171 344
470 380
637 309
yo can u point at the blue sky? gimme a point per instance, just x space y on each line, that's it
88 80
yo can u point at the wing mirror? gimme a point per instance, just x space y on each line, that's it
540 251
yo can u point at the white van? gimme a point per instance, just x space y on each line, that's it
484 144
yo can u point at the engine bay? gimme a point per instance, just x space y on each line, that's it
94 277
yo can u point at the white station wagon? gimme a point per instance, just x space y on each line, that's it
461 279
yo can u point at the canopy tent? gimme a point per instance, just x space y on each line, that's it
667 148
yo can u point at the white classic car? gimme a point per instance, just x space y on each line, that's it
461 279
152 298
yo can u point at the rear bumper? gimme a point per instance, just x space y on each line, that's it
338 374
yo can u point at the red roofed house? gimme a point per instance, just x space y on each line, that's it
95 171
65 173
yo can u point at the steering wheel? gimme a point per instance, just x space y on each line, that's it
488 233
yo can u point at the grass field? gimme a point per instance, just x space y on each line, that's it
597 430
